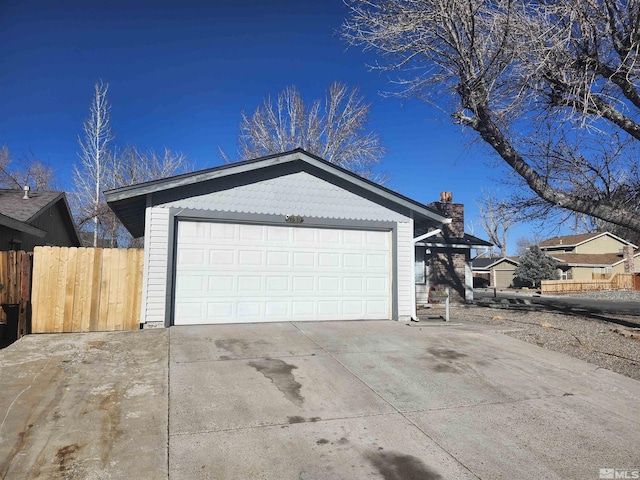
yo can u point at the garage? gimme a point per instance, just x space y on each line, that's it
286 237
235 273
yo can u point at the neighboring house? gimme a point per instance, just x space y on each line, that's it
29 219
282 237
497 271
592 255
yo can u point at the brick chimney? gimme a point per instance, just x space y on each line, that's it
627 253
455 211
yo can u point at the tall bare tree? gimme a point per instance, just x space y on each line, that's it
96 161
496 218
543 83
25 171
334 129
131 166
135 166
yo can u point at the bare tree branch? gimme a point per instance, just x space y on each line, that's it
334 129
496 218
510 69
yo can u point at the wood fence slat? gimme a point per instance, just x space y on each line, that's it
11 276
121 296
49 304
86 289
5 287
78 290
96 280
105 286
35 291
134 278
70 283
58 294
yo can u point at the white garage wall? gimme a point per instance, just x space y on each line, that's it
154 280
405 255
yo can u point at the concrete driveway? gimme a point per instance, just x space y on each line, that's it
306 401
385 400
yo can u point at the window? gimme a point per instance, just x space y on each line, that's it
564 275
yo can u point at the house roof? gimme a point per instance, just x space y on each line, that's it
483 263
588 259
129 202
13 205
575 240
468 241
17 212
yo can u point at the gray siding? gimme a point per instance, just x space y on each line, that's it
295 194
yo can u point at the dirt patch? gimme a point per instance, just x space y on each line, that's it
296 419
396 466
65 456
443 368
280 374
237 346
110 432
445 353
97 345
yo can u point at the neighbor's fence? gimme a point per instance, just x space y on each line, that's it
620 281
86 289
15 290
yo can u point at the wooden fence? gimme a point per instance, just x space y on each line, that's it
86 289
15 291
620 281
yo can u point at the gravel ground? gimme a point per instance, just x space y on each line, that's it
623 295
592 339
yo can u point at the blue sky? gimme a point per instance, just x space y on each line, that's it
180 73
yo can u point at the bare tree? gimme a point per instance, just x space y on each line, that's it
334 129
496 218
96 162
540 82
26 170
135 166
131 166
524 243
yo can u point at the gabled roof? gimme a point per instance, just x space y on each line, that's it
588 259
129 203
483 263
17 212
575 240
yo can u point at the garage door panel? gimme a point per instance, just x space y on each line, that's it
252 273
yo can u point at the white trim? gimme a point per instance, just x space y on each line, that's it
427 235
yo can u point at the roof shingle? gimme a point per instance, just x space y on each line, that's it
14 206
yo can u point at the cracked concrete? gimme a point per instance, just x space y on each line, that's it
382 400
328 400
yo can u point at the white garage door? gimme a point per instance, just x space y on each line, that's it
233 273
